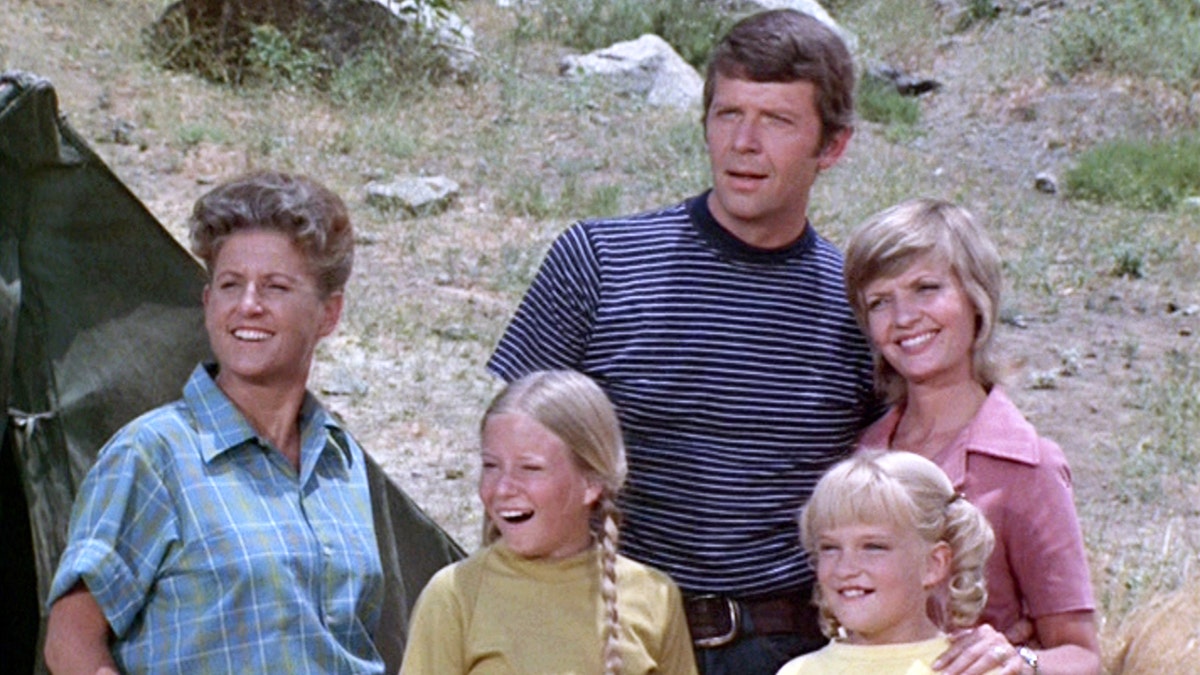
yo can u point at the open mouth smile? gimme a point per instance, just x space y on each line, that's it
514 516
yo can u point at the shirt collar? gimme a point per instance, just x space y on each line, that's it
733 248
998 430
219 420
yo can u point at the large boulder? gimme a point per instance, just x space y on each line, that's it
214 37
646 67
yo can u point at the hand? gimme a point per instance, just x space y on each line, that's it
1022 633
979 650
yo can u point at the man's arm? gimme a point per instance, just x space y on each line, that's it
553 324
78 635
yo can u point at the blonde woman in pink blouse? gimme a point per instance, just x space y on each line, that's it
924 281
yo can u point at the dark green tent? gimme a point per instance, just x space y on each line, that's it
100 320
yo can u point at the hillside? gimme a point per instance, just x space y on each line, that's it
1104 364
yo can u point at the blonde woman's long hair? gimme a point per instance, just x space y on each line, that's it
908 491
576 410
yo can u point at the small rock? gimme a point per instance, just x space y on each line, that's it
1045 182
1014 319
416 196
1070 362
1043 379
121 131
904 83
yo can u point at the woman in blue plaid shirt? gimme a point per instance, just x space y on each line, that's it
231 530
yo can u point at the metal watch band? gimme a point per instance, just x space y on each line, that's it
1029 656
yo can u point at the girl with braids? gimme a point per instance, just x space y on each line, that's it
549 593
900 557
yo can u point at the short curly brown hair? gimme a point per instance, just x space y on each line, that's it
298 206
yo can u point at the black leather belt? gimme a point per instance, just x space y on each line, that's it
717 620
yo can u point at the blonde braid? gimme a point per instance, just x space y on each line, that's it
608 585
575 409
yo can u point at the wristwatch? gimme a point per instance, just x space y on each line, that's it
1028 656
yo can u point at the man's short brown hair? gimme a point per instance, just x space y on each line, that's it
785 45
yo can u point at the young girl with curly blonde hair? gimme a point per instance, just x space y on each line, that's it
899 557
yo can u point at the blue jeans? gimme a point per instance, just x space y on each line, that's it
754 654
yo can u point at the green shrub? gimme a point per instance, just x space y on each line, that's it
604 200
193 133
275 58
981 10
1153 175
878 101
386 58
1157 39
1128 262
382 72
691 28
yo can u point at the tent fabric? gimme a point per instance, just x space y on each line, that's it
100 320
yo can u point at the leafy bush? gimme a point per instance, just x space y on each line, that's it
981 10
878 101
691 28
358 53
1153 175
1145 38
274 57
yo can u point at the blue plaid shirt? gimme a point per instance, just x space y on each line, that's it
209 554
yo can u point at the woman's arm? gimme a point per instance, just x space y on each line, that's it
78 635
1069 646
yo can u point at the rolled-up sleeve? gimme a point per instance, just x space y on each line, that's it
122 524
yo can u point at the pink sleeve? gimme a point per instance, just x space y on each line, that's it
1043 539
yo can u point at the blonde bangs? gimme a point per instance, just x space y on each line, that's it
854 493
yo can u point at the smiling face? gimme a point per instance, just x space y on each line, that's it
533 490
876 580
263 312
923 323
765 149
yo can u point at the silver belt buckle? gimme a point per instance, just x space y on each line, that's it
735 626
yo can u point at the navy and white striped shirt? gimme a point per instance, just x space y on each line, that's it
739 374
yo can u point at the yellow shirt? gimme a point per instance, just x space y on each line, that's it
842 658
499 613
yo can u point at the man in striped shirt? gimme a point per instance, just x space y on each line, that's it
720 329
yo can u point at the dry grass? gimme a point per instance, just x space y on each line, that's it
430 296
1162 636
